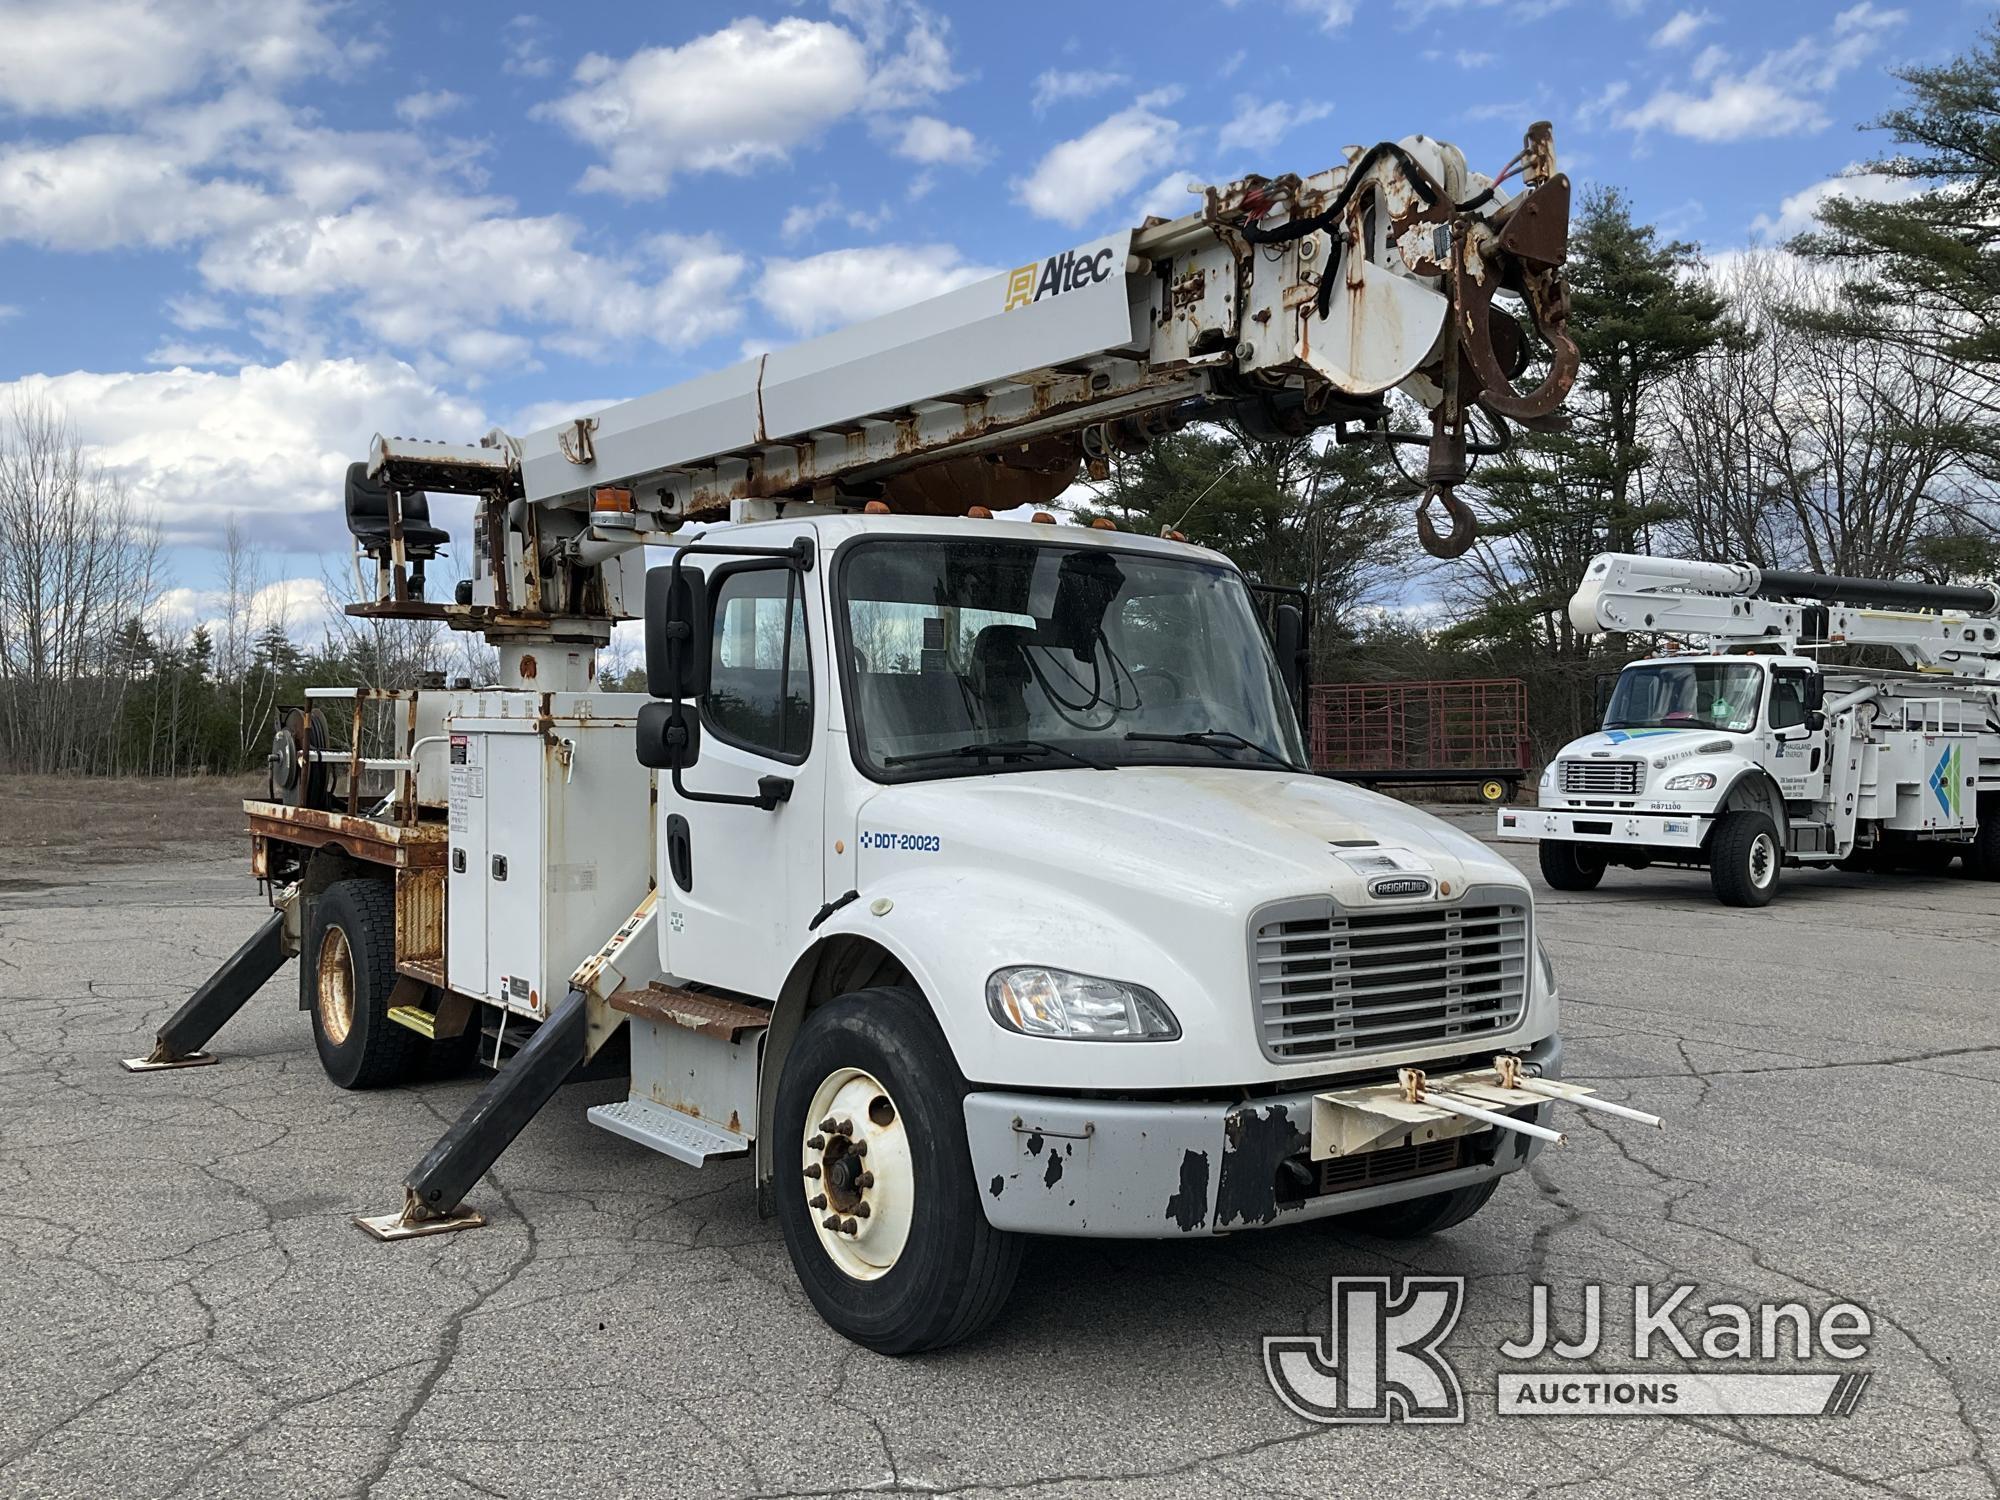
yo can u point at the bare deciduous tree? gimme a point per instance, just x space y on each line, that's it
77 561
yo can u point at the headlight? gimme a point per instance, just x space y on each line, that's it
1547 965
1057 1003
1691 781
1549 774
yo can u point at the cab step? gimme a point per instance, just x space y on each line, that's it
710 1015
668 1131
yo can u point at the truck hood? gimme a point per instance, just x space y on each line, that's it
1217 837
1647 743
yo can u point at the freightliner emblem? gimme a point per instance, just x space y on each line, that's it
1390 886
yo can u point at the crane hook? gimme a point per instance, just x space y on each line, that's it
1464 525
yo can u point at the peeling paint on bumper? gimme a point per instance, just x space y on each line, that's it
1161 1169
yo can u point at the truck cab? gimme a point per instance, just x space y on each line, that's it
1010 826
1689 745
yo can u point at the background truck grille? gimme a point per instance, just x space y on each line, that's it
1600 778
1332 982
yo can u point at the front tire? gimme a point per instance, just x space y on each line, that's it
1571 867
1744 857
352 950
875 1192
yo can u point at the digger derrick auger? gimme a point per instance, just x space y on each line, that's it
1417 249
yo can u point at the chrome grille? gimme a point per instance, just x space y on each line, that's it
1331 982
1601 778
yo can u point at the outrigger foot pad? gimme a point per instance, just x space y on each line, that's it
154 1062
415 1221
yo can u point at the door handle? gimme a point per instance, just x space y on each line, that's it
680 852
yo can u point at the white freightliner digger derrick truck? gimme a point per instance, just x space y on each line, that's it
967 875
1755 754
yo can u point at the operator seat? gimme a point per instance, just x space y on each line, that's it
368 522
1000 674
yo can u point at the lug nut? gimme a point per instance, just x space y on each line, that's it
865 1180
817 1200
817 1143
812 1169
848 1226
831 1221
859 1148
845 1127
861 1211
826 1125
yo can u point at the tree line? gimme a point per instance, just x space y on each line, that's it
1832 405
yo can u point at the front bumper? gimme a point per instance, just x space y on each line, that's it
1159 1169
1650 830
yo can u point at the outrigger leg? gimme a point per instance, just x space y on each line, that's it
178 1043
530 1078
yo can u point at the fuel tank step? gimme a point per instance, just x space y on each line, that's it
668 1131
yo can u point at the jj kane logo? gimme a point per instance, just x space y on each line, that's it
1069 272
1382 1358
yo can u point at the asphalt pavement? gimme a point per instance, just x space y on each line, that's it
187 1309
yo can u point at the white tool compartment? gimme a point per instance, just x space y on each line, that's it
550 839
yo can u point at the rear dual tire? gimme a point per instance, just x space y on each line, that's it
351 948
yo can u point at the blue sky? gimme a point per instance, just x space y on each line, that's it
237 237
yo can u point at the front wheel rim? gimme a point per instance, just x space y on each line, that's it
859 1188
1763 860
335 986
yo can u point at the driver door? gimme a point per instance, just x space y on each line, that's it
1798 752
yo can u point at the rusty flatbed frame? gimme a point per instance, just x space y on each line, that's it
413 846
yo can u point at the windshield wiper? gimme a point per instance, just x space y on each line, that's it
1218 740
997 750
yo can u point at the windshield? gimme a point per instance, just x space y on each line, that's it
994 655
1687 695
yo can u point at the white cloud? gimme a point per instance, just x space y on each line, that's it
1058 85
1168 198
268 443
537 415
1258 125
174 352
927 139
103 191
1080 177
824 291
1798 212
75 57
1779 96
417 108
1332 15
1680 28
302 606
8 310
525 41
748 95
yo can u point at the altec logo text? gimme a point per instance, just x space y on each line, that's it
1071 271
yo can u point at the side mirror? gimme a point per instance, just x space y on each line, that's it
676 633
1815 719
1815 691
669 736
1288 640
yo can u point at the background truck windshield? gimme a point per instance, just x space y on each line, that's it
1687 695
1054 655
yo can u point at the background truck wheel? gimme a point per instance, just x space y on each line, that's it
1982 860
1417 1217
870 1135
352 952
1744 857
1571 867
1494 792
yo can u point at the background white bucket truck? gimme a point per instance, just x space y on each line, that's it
1756 753
967 875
